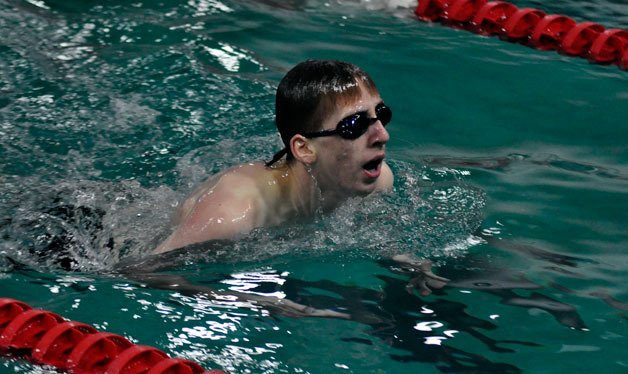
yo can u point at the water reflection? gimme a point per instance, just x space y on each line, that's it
392 317
427 329
403 320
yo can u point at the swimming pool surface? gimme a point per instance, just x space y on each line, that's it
510 169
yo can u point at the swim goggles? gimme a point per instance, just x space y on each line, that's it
353 126
350 127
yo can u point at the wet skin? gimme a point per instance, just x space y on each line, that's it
340 163
326 172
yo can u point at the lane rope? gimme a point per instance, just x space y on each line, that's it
46 338
531 27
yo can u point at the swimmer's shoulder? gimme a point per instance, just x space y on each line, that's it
239 176
260 186
237 182
240 181
253 177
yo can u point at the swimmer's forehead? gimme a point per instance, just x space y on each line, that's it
361 99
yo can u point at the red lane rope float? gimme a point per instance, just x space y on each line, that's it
27 328
521 24
9 309
578 41
490 19
45 338
609 46
55 346
549 32
460 12
94 353
136 360
532 27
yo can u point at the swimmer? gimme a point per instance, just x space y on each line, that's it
331 119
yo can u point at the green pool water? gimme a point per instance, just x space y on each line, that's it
510 171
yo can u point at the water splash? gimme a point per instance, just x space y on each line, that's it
85 226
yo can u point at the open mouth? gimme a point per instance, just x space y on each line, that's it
372 168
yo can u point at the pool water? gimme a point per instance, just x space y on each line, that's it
510 169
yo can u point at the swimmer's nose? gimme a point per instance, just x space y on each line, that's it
378 135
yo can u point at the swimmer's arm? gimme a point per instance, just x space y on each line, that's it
225 213
423 278
282 306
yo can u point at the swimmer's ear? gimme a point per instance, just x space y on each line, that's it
302 149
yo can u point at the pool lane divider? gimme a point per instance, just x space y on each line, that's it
46 338
531 27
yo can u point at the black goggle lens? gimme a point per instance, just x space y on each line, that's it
355 125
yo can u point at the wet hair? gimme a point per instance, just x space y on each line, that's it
310 92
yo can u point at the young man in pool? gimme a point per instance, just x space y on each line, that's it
332 121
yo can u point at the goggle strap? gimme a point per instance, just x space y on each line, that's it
277 156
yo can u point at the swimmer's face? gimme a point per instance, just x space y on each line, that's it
352 166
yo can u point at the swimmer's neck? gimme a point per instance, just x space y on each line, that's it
306 196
